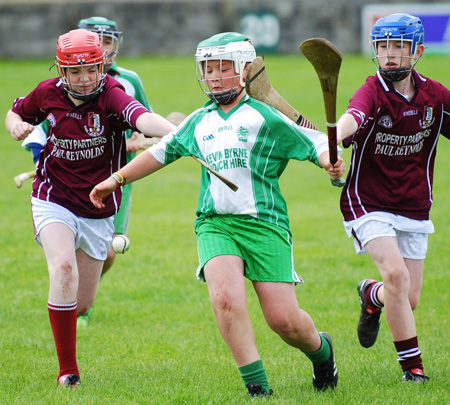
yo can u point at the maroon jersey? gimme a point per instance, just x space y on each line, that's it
394 148
85 143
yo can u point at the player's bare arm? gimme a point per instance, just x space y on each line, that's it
18 128
152 124
346 127
141 166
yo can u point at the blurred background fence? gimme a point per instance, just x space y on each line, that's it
29 28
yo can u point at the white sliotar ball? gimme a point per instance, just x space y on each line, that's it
120 244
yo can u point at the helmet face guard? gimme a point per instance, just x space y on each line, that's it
404 28
229 46
108 32
83 50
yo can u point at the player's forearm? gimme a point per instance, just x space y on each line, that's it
346 127
152 124
18 128
141 166
11 120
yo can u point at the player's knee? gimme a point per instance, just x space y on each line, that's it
397 281
65 276
282 326
224 299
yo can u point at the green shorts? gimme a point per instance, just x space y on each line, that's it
122 218
265 248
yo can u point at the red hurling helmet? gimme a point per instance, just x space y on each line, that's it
81 49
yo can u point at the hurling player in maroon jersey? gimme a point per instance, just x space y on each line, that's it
88 112
393 123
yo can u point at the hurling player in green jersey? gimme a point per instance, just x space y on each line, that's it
243 234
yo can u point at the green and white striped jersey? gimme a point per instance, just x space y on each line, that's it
251 146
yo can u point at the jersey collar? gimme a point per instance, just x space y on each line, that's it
388 86
211 105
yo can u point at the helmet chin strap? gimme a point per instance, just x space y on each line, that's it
227 97
84 97
395 75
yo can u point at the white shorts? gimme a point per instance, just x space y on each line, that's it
411 234
93 236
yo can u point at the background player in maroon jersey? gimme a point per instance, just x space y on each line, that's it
88 112
393 123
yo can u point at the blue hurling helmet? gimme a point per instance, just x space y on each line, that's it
397 27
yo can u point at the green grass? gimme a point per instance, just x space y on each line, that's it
153 338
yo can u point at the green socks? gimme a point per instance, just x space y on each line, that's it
322 355
255 372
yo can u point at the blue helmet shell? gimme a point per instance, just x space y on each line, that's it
399 27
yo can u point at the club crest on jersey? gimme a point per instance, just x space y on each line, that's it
94 128
242 134
428 118
51 120
385 121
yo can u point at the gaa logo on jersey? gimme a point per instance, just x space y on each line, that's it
428 118
94 128
242 134
385 121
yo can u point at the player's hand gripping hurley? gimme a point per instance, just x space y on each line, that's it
326 59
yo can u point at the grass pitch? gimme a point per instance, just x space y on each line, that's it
153 338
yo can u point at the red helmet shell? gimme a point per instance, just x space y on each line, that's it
79 47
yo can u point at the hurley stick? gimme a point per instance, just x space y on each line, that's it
20 178
258 86
326 60
218 175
